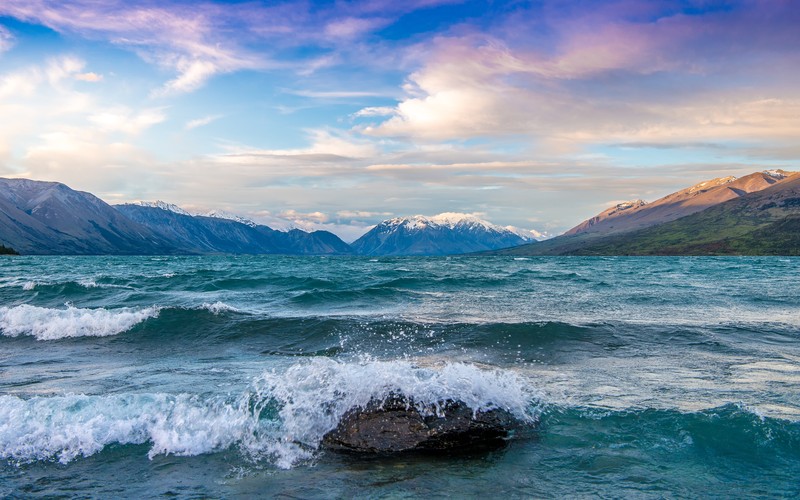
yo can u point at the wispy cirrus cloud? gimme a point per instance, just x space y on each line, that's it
6 39
185 38
200 40
336 94
201 122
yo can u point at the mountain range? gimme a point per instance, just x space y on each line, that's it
443 234
752 215
758 214
49 218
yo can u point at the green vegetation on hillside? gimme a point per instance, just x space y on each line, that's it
762 223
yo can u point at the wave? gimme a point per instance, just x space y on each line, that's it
347 296
67 287
281 418
729 432
52 324
218 307
66 427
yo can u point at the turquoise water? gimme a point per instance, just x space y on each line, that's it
218 376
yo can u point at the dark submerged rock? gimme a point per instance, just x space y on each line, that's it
397 425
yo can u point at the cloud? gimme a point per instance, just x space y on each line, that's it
89 77
57 72
201 122
105 166
200 40
352 27
185 39
6 40
60 132
347 228
335 94
326 147
192 74
294 216
374 111
613 74
361 214
123 119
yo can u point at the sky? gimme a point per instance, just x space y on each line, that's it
338 114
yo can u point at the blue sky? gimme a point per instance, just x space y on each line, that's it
337 115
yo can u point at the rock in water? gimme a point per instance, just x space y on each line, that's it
396 424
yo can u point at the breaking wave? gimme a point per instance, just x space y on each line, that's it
281 418
52 324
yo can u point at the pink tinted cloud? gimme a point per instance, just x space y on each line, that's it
620 71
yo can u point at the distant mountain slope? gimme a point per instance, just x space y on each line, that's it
637 214
765 222
444 234
50 218
200 234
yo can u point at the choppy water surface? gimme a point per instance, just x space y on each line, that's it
218 376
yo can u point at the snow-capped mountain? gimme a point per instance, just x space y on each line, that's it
163 205
218 231
443 234
221 214
528 234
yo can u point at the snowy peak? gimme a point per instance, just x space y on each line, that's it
778 173
221 214
444 234
528 234
703 186
163 205
449 220
216 214
454 219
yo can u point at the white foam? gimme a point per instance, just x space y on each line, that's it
314 395
52 324
218 307
29 285
67 427
308 398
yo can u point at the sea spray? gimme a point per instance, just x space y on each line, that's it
66 427
314 395
281 418
52 324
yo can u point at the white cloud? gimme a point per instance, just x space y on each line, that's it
90 77
191 76
313 217
123 119
87 160
374 111
479 87
184 39
361 214
201 122
19 84
60 132
326 147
